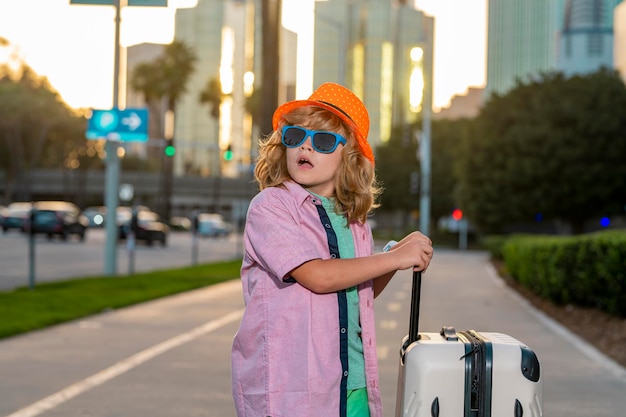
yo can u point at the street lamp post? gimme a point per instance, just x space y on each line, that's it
112 173
425 143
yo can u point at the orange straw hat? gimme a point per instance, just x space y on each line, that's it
340 101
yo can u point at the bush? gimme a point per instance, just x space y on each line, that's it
585 270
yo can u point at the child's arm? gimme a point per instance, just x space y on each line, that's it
330 275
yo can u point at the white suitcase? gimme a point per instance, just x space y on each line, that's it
465 374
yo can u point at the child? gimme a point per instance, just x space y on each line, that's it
306 345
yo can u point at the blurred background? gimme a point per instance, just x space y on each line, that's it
486 117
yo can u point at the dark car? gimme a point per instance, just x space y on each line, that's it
57 218
96 215
14 216
149 228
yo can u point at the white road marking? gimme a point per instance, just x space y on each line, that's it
394 306
123 366
382 352
402 295
388 324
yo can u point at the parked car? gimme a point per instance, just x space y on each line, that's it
57 218
180 224
96 215
149 228
124 213
15 215
213 225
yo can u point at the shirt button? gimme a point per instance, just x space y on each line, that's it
345 373
333 256
327 226
343 330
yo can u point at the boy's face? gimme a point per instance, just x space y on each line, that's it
314 170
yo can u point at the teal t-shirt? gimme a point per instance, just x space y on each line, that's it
356 361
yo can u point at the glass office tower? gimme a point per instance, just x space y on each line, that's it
533 36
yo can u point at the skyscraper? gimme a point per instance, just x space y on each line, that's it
528 37
377 49
585 41
226 36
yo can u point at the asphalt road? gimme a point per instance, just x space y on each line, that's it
58 260
171 356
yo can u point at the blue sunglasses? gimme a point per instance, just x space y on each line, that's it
323 142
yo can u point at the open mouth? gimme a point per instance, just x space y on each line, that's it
304 161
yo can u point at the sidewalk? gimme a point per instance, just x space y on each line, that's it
462 289
172 356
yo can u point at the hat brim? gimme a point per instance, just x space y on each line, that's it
290 105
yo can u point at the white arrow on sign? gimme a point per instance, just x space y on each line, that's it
133 121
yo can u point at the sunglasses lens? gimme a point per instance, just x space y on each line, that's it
293 136
324 142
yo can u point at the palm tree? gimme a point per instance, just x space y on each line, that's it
178 63
213 96
166 79
145 78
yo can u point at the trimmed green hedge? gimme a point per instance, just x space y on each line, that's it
585 270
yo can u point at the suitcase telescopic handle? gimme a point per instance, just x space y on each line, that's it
415 307
415 300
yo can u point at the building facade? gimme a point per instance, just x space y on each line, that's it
585 41
534 36
226 35
373 47
619 43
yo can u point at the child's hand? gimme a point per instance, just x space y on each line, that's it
415 250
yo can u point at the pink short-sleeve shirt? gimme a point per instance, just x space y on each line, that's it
286 353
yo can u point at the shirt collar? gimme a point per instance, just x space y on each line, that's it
300 193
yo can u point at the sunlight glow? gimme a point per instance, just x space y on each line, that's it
227 78
416 86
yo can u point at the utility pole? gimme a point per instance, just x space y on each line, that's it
425 148
112 173
271 13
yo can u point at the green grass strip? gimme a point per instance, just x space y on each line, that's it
23 310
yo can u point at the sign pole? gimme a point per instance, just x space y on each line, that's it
425 143
112 173
113 163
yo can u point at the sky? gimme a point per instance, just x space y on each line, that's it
73 45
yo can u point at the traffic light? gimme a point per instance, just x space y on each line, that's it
228 154
170 150
457 214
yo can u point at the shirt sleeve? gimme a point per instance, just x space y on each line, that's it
278 239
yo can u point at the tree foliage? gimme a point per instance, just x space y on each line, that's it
37 129
212 96
447 139
395 161
164 79
553 148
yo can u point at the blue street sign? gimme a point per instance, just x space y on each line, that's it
129 125
145 3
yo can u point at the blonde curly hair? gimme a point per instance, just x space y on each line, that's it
356 187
